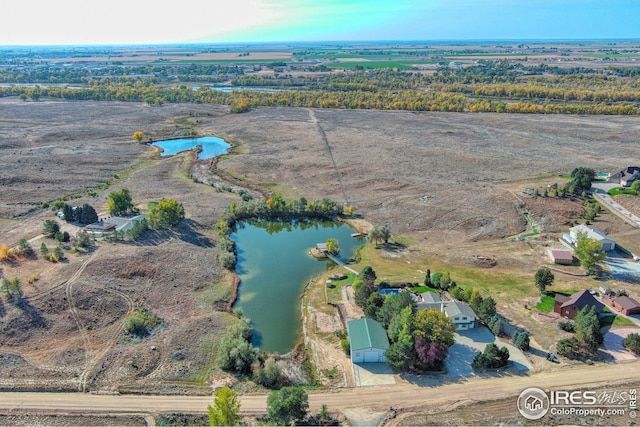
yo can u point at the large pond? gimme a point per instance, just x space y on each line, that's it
274 265
211 146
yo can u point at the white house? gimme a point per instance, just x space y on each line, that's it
368 340
608 244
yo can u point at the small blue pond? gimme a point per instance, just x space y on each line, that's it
389 291
211 146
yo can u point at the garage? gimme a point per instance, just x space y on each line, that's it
371 357
368 340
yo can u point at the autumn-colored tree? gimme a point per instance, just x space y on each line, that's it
138 135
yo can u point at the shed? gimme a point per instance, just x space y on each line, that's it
561 256
608 244
626 305
368 340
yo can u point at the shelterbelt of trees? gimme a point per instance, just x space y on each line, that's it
474 89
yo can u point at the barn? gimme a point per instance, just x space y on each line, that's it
369 341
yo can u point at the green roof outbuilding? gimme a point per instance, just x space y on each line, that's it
368 339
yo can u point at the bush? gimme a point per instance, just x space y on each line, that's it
632 342
140 323
568 347
268 375
521 340
567 325
495 325
346 346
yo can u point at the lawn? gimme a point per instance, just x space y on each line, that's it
615 321
546 304
494 283
619 190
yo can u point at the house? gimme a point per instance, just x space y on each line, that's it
321 247
608 244
570 306
626 305
561 256
368 340
125 223
625 176
461 314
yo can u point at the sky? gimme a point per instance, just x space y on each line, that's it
28 22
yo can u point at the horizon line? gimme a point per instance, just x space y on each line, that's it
280 42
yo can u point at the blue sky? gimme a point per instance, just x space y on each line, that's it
178 21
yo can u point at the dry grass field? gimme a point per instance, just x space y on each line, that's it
450 182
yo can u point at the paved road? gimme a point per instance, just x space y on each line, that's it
374 397
601 194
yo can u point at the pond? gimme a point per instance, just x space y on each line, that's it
211 146
274 265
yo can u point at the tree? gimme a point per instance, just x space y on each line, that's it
119 202
587 327
380 233
393 305
58 252
226 408
427 278
85 214
589 251
581 179
12 288
434 326
568 347
269 374
635 186
374 302
287 405
430 355
68 213
401 354
332 246
50 228
361 294
368 275
632 341
44 251
544 278
521 340
166 213
138 135
24 248
492 357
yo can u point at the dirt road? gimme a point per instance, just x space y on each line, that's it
376 398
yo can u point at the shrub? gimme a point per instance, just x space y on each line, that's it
140 323
521 340
346 346
268 375
566 325
632 342
568 347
